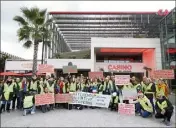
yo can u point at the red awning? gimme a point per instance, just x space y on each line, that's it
30 74
9 74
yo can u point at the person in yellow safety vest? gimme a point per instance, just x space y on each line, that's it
51 86
128 86
18 94
143 83
106 86
7 94
28 104
143 105
114 96
40 87
136 85
162 88
79 88
33 84
45 107
73 85
150 92
81 85
100 86
72 89
164 109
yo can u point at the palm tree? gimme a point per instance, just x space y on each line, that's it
31 31
2 61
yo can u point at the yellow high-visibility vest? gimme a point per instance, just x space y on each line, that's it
7 90
163 105
28 102
145 103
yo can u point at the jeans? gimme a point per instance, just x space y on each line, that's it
6 103
29 110
143 113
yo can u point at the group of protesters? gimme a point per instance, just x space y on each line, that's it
152 94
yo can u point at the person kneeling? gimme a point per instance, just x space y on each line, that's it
28 104
143 105
164 109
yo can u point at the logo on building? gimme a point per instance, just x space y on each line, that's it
163 13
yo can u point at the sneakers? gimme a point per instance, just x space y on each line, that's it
32 112
24 113
167 123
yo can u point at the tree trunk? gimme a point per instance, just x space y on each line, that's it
43 46
34 68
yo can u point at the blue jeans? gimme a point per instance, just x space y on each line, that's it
6 101
142 113
29 110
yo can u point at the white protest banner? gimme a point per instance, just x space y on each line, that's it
90 99
101 101
129 94
82 98
126 109
122 79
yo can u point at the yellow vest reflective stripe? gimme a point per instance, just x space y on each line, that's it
33 85
28 102
41 89
143 102
73 87
162 105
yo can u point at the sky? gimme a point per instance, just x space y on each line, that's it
9 9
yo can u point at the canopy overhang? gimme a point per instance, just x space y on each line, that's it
77 28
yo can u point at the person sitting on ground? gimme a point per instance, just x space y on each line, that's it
45 107
143 105
164 109
28 104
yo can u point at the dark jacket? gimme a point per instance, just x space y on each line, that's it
153 89
169 105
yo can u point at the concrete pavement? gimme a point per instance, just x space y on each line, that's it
78 118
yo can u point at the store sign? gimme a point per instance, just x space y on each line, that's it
19 65
120 67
